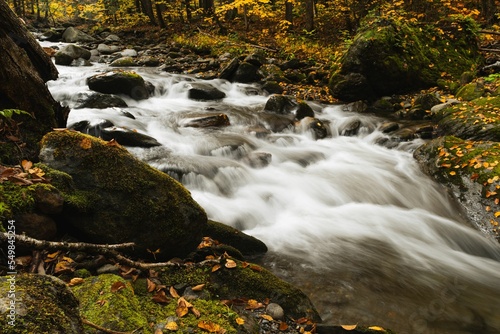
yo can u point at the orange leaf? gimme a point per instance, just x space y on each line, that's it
182 307
160 297
151 285
117 286
173 292
252 304
198 287
497 214
376 328
216 267
240 321
283 326
75 281
230 264
26 164
349 327
210 327
85 143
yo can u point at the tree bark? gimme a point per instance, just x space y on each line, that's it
309 15
24 71
289 12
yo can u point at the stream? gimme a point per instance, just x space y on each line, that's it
355 224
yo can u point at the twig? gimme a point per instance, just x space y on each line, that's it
489 50
490 32
105 330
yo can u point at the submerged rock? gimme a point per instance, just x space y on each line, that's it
204 92
219 120
122 199
102 101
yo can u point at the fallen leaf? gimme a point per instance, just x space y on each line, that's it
52 256
172 326
255 267
173 292
85 143
240 321
117 286
230 264
376 328
26 164
210 327
160 297
101 302
151 285
349 327
63 267
198 287
196 313
182 307
252 304
75 281
267 317
216 267
283 326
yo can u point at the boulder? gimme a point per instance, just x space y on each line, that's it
43 304
107 49
122 199
303 110
229 70
73 35
120 82
128 137
280 104
246 73
67 54
204 92
102 101
123 62
219 120
393 56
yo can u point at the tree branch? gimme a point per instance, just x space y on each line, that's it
105 330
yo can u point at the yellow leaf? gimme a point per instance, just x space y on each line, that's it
267 317
453 172
349 327
240 321
173 292
497 214
210 327
26 164
230 264
198 287
75 281
376 328
172 326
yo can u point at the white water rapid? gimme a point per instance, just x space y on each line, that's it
354 224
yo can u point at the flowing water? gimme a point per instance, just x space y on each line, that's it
354 224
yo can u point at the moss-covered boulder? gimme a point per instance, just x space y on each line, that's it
471 170
392 55
114 303
122 199
475 120
120 82
42 304
234 279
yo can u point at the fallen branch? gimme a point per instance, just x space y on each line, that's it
489 32
103 249
105 330
489 50
61 245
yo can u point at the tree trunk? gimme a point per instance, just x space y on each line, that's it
289 12
309 15
147 8
24 71
189 16
159 15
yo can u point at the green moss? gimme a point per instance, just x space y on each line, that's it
470 91
117 310
16 199
43 305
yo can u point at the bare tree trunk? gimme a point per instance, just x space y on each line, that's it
147 8
189 16
159 15
289 12
309 15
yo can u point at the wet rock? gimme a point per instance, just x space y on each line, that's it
128 53
107 49
351 128
93 129
148 61
228 71
404 134
52 35
44 304
425 131
204 92
123 62
120 82
426 101
228 235
36 225
276 122
128 137
303 110
389 127
272 87
275 311
351 87
67 54
112 38
246 73
280 104
219 120
439 107
121 199
48 200
256 59
471 91
257 159
357 106
102 101
73 35
317 127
